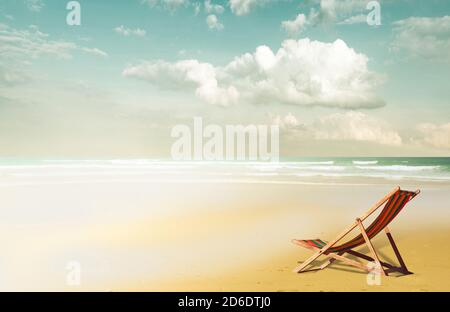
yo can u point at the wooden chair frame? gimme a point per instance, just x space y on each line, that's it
380 265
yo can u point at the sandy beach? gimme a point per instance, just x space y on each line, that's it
275 274
217 235
182 145
418 236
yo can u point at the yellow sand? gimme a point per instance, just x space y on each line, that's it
425 252
421 232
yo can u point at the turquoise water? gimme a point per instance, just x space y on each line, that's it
383 161
399 168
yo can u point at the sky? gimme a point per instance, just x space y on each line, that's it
115 85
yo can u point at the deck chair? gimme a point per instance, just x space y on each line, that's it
393 203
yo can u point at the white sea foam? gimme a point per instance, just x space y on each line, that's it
398 168
319 168
368 162
153 168
331 162
298 167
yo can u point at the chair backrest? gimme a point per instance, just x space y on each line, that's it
391 209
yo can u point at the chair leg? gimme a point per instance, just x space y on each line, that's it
348 261
323 266
331 256
310 260
326 264
396 251
371 248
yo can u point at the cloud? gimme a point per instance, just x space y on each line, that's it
434 135
95 51
331 11
32 43
213 22
124 31
170 5
185 74
20 47
288 123
348 126
356 19
295 26
320 10
12 75
197 8
34 5
303 73
423 37
355 126
213 8
243 7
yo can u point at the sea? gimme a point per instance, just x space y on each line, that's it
319 169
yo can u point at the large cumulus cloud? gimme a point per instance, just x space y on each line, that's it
303 72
